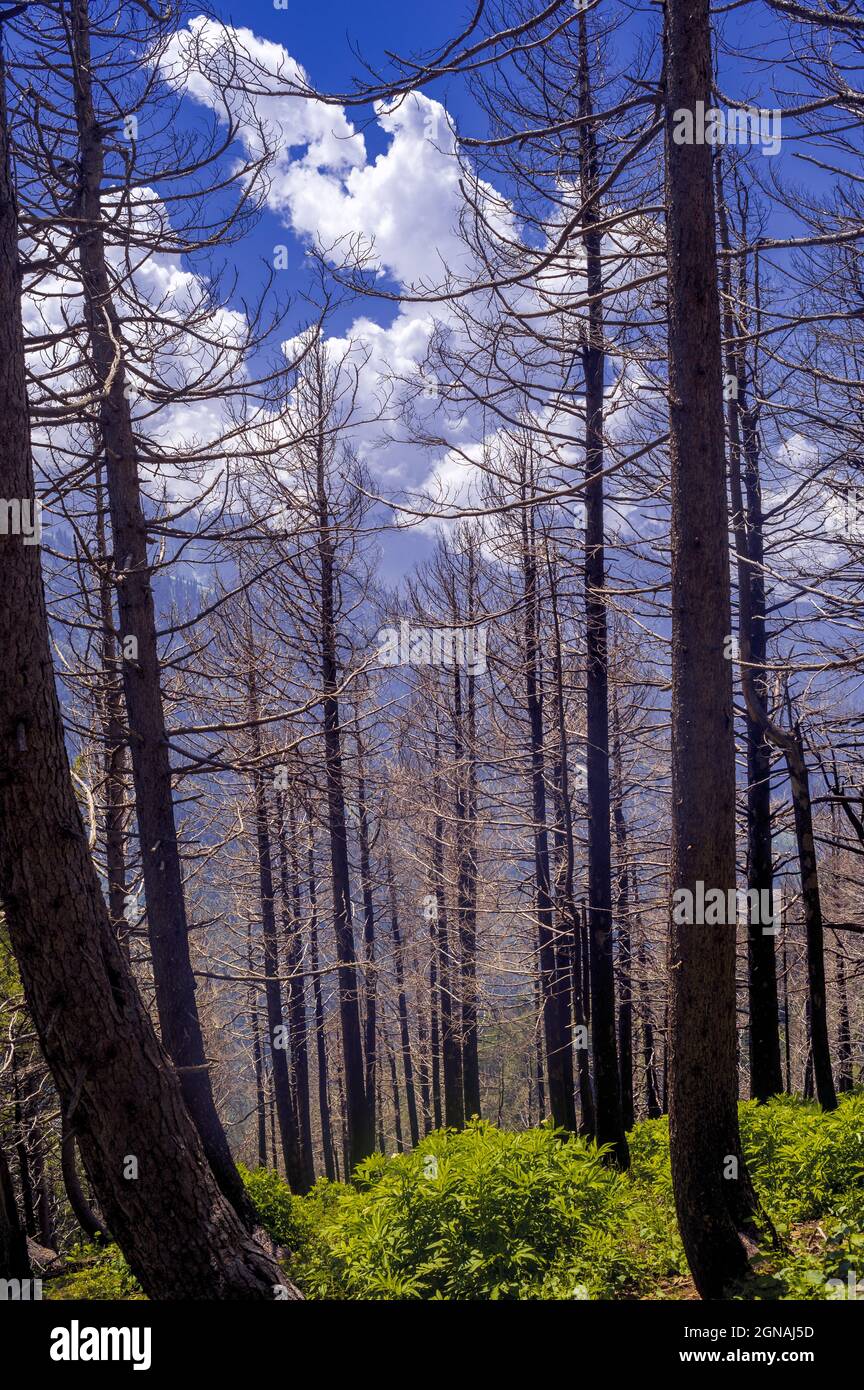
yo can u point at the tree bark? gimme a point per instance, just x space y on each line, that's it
714 1210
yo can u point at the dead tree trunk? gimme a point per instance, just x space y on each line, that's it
625 955
713 1194
289 878
465 752
359 1111
151 766
115 1082
765 1073
402 1005
454 1106
370 977
559 1062
607 1085
278 1034
320 1021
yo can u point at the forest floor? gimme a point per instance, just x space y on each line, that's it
492 1214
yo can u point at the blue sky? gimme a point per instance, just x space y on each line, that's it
391 184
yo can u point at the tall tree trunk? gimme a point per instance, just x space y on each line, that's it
359 1111
787 1021
607 1083
625 958
370 977
844 1033
394 1086
22 1153
569 943
818 1004
713 1194
434 1023
465 752
424 1055
278 1034
289 876
454 1105
581 1018
151 766
320 1028
539 1069
44 1214
765 1075
559 1060
115 1083
113 731
257 1057
402 1004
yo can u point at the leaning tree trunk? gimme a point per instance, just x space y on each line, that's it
713 1194
116 1085
90 1223
151 765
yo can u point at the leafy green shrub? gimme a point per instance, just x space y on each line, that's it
99 1273
486 1214
286 1218
489 1214
806 1163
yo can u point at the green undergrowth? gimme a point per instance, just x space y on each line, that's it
491 1214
